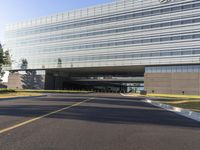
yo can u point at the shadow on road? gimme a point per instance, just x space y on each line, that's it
103 110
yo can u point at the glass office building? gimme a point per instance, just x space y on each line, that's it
122 33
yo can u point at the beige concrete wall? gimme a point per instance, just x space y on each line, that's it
18 81
172 83
14 81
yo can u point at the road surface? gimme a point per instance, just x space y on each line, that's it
93 122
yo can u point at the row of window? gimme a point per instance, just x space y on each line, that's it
154 54
131 41
65 61
171 69
64 26
128 29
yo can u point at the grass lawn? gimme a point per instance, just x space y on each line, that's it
191 102
6 90
195 106
54 91
17 94
182 101
174 96
10 93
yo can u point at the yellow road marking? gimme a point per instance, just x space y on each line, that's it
43 116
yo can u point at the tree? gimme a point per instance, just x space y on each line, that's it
1 55
4 60
32 81
7 58
24 64
59 63
1 62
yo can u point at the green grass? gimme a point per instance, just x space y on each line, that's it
191 102
18 94
11 93
174 96
54 91
195 106
7 91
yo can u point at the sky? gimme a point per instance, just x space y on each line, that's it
12 11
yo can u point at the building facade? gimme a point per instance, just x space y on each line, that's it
149 34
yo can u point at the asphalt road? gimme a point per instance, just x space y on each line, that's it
93 122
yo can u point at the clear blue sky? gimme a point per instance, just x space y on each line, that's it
18 10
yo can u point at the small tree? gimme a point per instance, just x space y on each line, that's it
59 63
7 58
32 81
24 64
1 62
1 55
4 60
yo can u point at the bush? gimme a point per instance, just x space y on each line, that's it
6 90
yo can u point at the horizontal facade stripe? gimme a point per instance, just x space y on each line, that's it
144 10
145 33
111 26
115 19
119 30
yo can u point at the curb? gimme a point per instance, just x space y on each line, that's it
180 111
183 112
124 95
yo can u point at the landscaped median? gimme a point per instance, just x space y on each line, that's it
54 91
191 102
184 105
11 93
174 96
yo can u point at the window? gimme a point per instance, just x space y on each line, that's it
189 52
196 36
186 37
176 38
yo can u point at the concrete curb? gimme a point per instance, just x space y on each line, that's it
180 111
125 95
183 112
122 94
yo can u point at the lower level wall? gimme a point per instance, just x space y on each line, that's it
172 83
53 82
26 81
3 85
